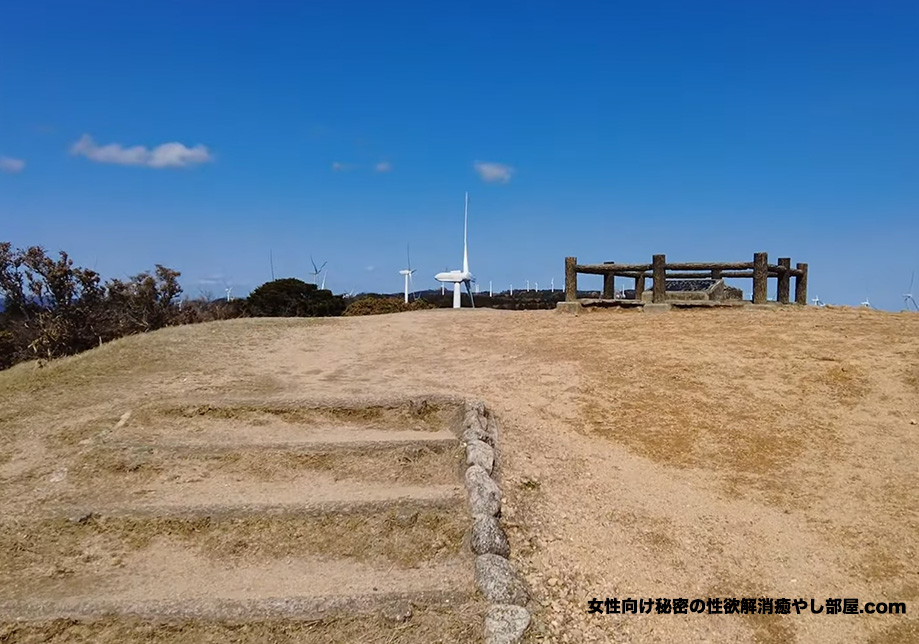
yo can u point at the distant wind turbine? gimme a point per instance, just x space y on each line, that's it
908 296
316 270
407 273
458 278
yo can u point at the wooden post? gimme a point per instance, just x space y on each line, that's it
639 287
760 274
716 274
659 273
801 284
784 289
571 279
609 286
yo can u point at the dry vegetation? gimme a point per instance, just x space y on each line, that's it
700 453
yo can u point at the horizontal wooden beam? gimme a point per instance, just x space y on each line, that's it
709 266
604 269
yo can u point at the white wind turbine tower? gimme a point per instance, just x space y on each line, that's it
490 294
552 284
316 271
229 290
458 278
908 296
407 273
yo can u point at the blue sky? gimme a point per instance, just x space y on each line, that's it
703 130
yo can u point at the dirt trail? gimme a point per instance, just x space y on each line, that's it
744 453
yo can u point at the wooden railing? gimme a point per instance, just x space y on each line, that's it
760 270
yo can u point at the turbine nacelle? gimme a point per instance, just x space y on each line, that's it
454 277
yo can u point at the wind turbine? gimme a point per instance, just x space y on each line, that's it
316 271
866 303
407 272
817 301
489 289
229 290
552 284
908 296
458 278
324 275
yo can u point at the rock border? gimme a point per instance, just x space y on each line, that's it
506 618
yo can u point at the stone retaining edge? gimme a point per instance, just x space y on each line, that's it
506 618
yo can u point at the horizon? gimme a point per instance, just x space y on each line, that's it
209 142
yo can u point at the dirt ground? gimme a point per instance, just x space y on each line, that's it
696 454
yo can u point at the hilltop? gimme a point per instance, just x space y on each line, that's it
734 453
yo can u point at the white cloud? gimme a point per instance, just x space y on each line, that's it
11 165
167 155
383 166
338 166
493 172
370 269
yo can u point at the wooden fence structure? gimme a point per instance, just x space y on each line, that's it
760 270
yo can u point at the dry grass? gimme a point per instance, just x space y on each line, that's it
446 626
766 452
50 546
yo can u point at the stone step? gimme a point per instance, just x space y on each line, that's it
222 435
262 480
403 621
168 581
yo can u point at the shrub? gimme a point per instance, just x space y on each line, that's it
290 297
52 308
379 306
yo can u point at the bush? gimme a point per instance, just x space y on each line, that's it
379 306
52 308
290 297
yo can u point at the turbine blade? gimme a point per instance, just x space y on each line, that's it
469 290
408 256
910 289
465 236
